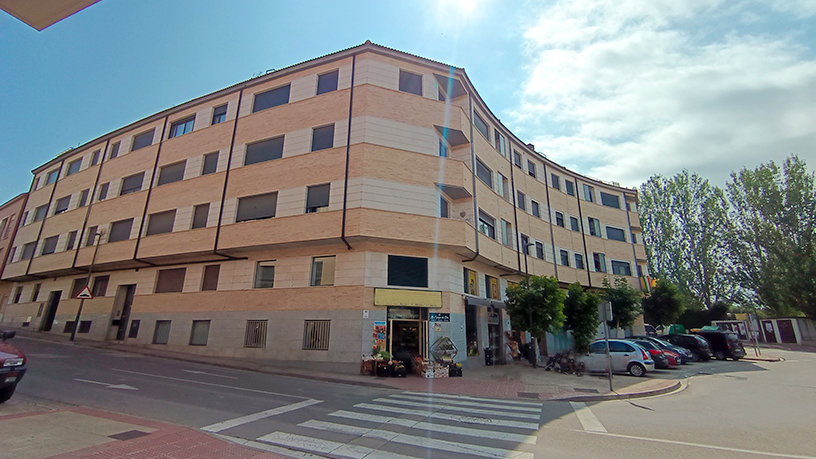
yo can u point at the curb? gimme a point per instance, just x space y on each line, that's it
764 359
617 396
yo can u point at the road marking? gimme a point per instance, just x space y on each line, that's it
420 400
587 418
109 386
327 447
478 399
230 423
698 445
196 372
451 417
257 391
460 408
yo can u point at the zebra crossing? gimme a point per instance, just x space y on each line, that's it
419 425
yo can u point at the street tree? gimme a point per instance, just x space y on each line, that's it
581 316
625 302
535 305
664 304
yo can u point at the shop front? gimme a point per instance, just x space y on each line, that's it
486 329
405 331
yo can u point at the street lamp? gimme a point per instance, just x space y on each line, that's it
524 249
97 238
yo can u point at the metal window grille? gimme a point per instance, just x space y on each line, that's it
199 333
255 333
162 333
84 326
316 334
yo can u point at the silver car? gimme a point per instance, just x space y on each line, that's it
627 357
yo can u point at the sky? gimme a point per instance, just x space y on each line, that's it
619 90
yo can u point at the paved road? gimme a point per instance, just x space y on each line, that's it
741 409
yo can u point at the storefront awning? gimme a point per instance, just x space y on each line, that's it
486 302
413 298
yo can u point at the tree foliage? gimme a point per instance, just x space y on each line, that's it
537 306
664 304
625 302
581 316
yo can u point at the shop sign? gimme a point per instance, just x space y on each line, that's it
403 313
411 298
379 336
439 317
492 316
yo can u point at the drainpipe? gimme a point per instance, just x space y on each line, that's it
147 199
513 191
348 154
550 217
473 170
42 222
583 235
90 202
226 181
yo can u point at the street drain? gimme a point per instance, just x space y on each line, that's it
589 391
528 394
129 435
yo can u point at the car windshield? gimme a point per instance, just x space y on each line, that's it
646 345
701 340
661 342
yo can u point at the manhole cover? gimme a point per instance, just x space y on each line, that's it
129 435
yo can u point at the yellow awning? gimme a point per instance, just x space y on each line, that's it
412 298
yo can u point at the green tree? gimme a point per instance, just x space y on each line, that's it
625 302
536 306
664 304
581 312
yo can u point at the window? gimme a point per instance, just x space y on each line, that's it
134 328
443 208
265 150
52 177
323 137
588 192
49 245
574 224
199 333
25 217
40 212
145 139
78 285
83 197
525 244
502 185
564 258
516 159
484 173
600 262
162 333
89 241
84 326
317 198
616 234
132 184
570 187
556 181
161 222
621 268
114 152
521 200
95 157
255 335
201 213
170 280
182 127
500 145
210 163
36 183
531 169
579 261
559 219
507 233
28 251
172 173
443 148
471 282
487 225
257 207
18 292
539 250
534 207
100 286
271 98
12 252
265 274
73 167
407 271
120 231
210 278
36 293
610 200
71 240
481 126
316 334
410 82
4 226
327 82
62 204
219 114
103 191
594 227
322 271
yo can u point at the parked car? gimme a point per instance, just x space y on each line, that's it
626 357
660 359
650 330
12 366
699 347
685 354
674 358
724 344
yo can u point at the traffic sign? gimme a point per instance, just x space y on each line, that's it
85 294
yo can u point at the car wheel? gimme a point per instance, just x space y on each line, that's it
637 369
735 358
720 355
695 357
6 393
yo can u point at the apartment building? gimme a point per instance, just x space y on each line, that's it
364 198
10 213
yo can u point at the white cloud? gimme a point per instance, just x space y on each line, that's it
639 88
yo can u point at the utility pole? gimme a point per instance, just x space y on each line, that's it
97 238
606 307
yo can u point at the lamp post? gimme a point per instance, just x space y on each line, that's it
524 250
97 238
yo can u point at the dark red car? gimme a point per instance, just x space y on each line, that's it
12 366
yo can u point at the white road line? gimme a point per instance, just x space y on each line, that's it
196 372
460 408
451 417
467 431
109 386
431 443
257 391
420 399
334 448
698 445
478 399
230 423
587 418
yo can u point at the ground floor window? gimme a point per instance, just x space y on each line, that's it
199 332
255 333
162 333
316 334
